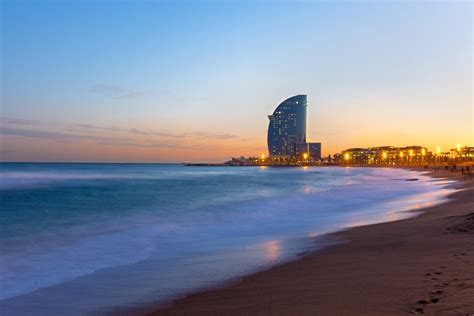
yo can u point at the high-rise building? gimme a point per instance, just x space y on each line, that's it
287 131
314 150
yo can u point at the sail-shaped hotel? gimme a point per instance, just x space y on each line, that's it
287 131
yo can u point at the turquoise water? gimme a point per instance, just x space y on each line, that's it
131 235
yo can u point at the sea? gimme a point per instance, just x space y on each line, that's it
105 239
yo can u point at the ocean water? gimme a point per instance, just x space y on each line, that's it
93 239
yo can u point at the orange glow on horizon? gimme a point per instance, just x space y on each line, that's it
150 148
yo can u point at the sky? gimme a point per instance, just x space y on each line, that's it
172 81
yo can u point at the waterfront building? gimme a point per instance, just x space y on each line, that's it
287 132
356 155
462 153
287 127
314 150
412 154
301 151
388 155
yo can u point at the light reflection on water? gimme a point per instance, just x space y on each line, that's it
272 250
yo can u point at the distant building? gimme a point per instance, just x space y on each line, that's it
300 150
386 155
287 132
462 153
314 150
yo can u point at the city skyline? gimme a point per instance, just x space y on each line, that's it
173 81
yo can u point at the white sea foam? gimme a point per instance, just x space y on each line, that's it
240 218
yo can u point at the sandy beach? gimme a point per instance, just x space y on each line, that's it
421 265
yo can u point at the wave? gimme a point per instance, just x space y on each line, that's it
216 221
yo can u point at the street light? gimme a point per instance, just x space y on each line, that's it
438 151
305 156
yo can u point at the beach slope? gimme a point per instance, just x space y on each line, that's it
418 265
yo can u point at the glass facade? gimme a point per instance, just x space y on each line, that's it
314 150
287 127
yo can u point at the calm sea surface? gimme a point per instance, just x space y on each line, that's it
99 238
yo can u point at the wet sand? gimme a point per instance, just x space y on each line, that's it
419 265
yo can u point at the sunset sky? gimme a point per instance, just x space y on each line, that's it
168 81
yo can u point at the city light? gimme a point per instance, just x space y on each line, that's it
305 156
415 155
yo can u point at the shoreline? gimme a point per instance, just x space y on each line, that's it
422 264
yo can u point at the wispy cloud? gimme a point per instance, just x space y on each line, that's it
8 120
117 136
155 144
101 140
89 127
204 134
52 135
197 134
115 91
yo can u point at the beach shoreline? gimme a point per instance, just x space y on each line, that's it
417 265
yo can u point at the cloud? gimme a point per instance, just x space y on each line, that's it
89 127
204 134
100 140
197 135
116 92
14 121
52 135
160 145
116 136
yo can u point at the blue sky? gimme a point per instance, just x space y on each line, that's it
208 73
